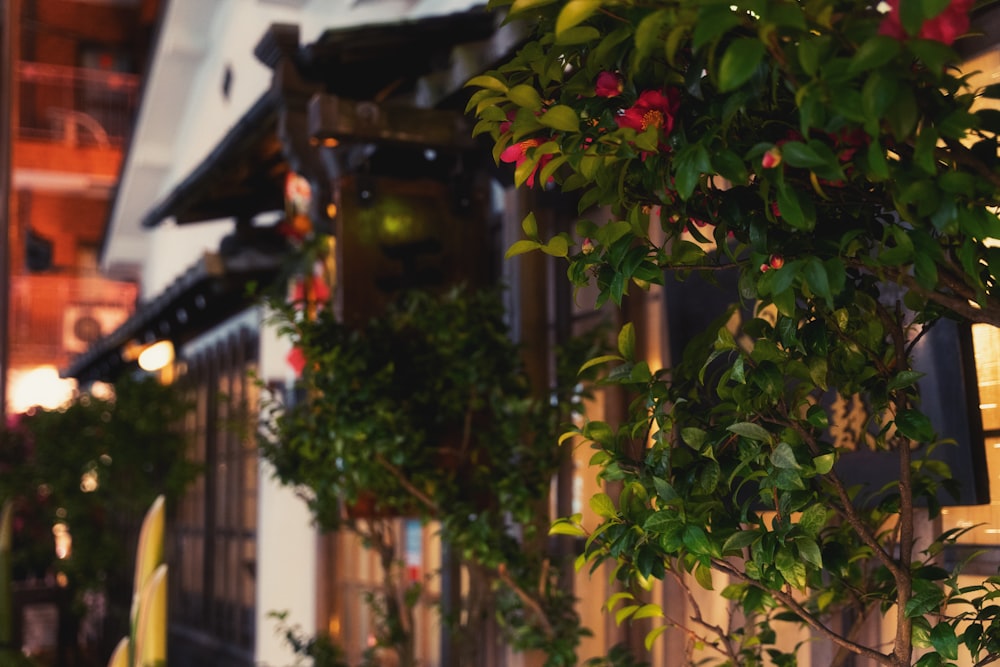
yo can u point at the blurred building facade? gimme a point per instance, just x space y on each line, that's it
239 94
74 90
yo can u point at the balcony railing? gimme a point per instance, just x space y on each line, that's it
75 106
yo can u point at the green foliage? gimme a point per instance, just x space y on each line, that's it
427 411
320 649
838 163
90 464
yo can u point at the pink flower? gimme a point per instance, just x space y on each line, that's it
772 158
608 84
946 27
587 247
518 153
654 108
776 261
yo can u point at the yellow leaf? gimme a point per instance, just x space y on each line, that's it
119 657
574 13
151 621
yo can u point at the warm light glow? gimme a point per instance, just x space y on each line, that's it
331 210
156 356
40 386
88 481
64 541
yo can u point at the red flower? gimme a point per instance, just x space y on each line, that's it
946 27
608 84
654 108
312 288
518 153
297 360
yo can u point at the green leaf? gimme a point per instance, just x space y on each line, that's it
801 155
739 541
603 506
523 5
914 425
809 551
648 33
567 527
661 522
874 52
616 598
561 117
525 96
713 21
813 519
703 575
488 82
653 635
824 463
691 162
524 171
696 540
816 277
623 614
739 62
751 431
649 611
521 247
796 208
530 226
784 457
557 246
904 379
944 641
596 361
574 13
626 341
816 416
693 436
581 34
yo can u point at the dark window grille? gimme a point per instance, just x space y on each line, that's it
215 534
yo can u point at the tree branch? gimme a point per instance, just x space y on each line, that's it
790 602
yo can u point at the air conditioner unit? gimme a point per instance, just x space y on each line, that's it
83 325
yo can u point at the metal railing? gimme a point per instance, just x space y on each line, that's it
74 105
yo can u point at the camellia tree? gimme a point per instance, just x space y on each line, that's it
832 154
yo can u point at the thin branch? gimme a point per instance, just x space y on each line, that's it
407 484
528 601
696 616
804 614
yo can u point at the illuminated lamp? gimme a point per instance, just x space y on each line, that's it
156 356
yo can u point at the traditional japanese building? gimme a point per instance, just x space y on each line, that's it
365 103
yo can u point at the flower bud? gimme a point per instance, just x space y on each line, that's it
772 158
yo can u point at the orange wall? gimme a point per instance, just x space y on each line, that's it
65 25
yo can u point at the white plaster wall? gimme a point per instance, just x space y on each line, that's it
286 568
286 539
